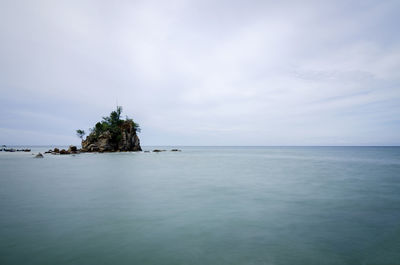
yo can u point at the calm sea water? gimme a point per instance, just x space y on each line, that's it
204 205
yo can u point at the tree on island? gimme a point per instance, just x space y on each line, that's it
113 134
80 133
113 124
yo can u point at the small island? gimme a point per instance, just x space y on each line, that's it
112 134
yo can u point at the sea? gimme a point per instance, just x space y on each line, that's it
203 205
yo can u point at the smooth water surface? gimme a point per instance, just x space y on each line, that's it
204 205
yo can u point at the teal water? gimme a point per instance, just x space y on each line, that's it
204 205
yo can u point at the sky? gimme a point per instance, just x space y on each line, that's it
202 72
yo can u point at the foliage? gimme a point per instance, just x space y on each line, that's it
113 124
114 120
80 133
134 124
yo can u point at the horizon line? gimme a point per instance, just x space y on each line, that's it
47 145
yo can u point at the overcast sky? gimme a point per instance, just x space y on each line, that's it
202 72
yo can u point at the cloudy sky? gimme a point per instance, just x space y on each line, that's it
202 72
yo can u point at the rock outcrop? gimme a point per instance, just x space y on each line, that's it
14 150
124 139
158 150
39 155
71 150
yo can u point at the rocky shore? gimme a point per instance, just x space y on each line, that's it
74 150
4 149
71 150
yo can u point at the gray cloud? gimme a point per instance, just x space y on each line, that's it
202 72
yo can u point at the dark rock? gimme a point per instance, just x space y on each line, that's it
9 150
175 150
15 150
56 150
158 150
39 155
72 149
64 152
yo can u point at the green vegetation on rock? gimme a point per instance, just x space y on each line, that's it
112 134
80 133
113 124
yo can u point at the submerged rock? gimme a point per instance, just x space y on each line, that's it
9 150
15 150
39 155
23 150
158 150
175 150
